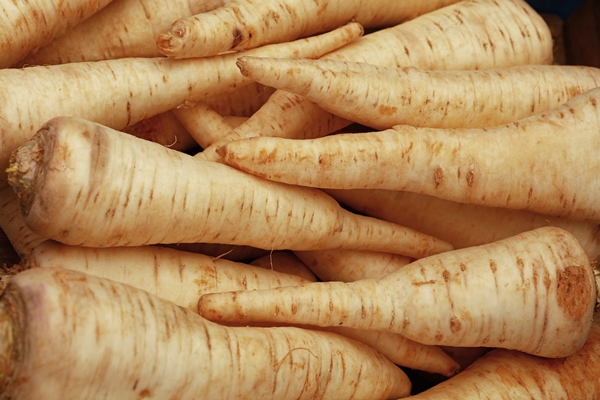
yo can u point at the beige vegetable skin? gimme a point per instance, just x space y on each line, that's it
68 335
474 34
246 24
381 97
534 292
25 26
507 375
82 183
118 93
545 163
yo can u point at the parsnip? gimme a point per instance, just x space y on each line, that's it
461 224
474 34
381 97
25 26
118 93
68 335
174 275
505 375
125 28
545 163
351 265
245 24
534 292
85 184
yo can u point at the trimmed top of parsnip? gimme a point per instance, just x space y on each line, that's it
23 171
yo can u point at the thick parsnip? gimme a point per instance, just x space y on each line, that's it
461 224
85 184
381 97
177 276
245 24
534 292
25 26
125 28
68 335
545 163
118 93
284 261
474 34
506 374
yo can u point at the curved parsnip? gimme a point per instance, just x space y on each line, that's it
461 224
474 34
534 292
545 163
70 336
381 97
25 26
177 276
246 24
85 184
505 375
118 93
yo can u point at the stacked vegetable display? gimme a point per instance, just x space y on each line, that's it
283 199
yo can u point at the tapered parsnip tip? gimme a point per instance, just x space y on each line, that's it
172 41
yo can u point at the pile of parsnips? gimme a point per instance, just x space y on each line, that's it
293 257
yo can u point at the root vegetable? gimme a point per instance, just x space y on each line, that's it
25 26
177 276
246 24
544 163
126 91
463 225
203 123
505 374
402 351
284 261
534 292
165 129
125 28
82 183
219 250
478 34
68 335
381 97
351 265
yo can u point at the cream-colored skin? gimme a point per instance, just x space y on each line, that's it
479 34
246 24
461 224
125 28
25 26
507 375
177 276
118 93
382 97
85 184
545 163
351 265
83 337
534 292
284 261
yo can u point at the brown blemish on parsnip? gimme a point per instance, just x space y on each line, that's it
573 291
